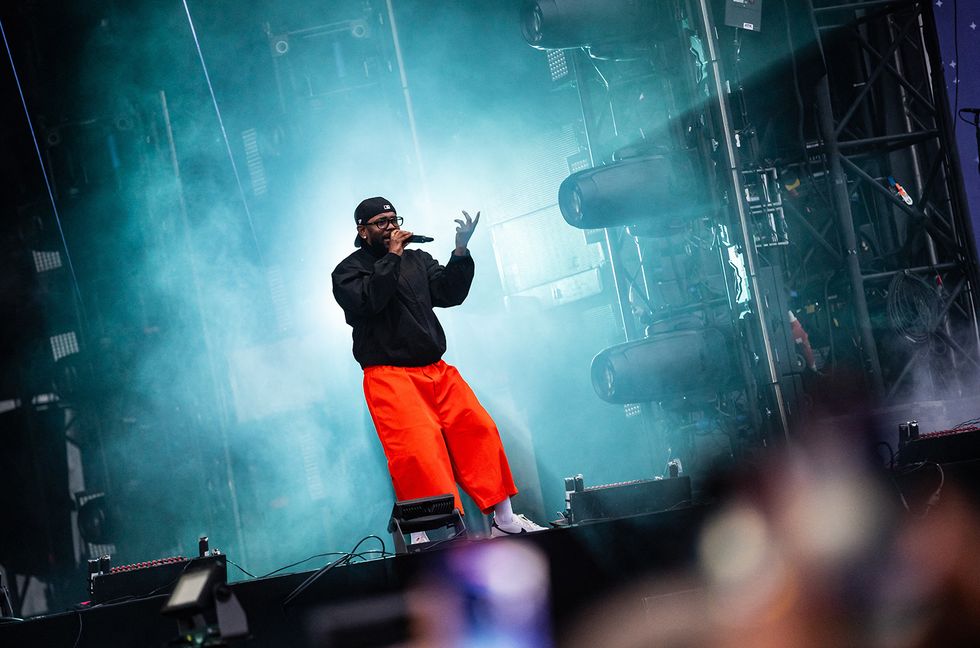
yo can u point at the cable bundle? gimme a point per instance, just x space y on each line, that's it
913 307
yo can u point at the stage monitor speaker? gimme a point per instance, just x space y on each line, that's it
629 498
35 502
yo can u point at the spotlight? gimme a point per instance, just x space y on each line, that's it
423 514
653 188
206 609
562 24
688 363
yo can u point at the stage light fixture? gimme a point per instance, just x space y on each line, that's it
563 24
423 514
206 609
665 366
639 190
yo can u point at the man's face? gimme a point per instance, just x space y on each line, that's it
377 230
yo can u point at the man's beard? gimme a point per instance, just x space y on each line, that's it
378 248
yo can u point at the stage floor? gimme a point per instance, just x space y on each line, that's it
584 564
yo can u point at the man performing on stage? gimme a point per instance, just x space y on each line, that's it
434 431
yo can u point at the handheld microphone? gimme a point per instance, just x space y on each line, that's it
418 238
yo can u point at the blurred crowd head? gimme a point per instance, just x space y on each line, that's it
816 544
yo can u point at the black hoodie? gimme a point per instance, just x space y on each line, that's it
388 300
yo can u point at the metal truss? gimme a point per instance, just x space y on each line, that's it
877 219
693 113
893 173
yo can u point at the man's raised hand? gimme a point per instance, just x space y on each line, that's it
465 231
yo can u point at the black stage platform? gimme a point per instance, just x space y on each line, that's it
585 563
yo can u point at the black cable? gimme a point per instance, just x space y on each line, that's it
361 554
934 498
956 81
384 549
300 562
975 123
172 582
313 578
961 111
240 568
125 598
912 307
801 115
632 278
322 555
78 637
323 570
433 545
748 130
967 423
832 355
956 60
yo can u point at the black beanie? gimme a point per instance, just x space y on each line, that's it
371 207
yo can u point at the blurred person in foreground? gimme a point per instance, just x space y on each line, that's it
433 429
816 545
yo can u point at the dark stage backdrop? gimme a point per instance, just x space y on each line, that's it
958 22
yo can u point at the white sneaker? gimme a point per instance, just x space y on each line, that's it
519 525
418 537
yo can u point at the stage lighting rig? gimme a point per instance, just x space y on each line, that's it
423 514
564 24
207 611
658 188
665 366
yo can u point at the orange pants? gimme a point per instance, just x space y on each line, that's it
436 434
